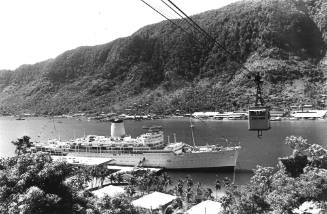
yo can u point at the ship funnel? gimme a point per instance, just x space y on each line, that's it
117 128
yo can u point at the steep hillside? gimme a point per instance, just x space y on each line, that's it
161 68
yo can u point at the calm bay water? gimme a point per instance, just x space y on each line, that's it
263 151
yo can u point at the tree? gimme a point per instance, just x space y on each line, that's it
94 174
274 190
166 180
217 186
189 195
130 190
199 193
208 194
120 178
117 205
104 173
189 192
112 178
33 183
81 178
22 144
180 187
177 203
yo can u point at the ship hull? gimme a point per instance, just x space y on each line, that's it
169 160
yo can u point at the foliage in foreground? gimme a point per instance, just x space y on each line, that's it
274 190
34 184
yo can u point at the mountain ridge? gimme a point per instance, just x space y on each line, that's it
160 68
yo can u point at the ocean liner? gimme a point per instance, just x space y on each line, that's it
147 150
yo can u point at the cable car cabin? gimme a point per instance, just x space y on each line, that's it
259 118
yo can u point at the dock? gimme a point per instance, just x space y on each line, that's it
126 169
95 161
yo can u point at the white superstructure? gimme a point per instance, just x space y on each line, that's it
147 150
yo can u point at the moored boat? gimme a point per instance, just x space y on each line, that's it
147 150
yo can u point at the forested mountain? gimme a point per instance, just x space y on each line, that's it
161 68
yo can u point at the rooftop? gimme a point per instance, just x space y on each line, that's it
110 190
207 207
154 200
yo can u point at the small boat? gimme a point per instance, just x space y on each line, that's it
20 118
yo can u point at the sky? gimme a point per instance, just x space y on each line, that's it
35 30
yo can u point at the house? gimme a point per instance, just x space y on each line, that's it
154 201
110 190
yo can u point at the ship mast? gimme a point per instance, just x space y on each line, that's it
191 126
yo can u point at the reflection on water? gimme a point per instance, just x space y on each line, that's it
263 151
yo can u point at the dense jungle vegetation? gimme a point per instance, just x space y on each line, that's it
160 68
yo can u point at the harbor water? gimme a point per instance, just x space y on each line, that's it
255 151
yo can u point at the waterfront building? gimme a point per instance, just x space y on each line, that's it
154 201
309 114
221 116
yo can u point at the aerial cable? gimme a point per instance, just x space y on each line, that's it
182 18
259 116
167 12
189 21
172 9
171 21
164 16
198 27
207 34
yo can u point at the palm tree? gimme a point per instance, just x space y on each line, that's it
169 210
177 203
149 180
94 174
142 183
217 187
208 193
166 181
82 177
189 182
120 178
133 181
130 190
157 182
180 187
22 144
112 178
199 193
189 195
226 181
104 172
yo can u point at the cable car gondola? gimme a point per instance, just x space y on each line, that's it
259 114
